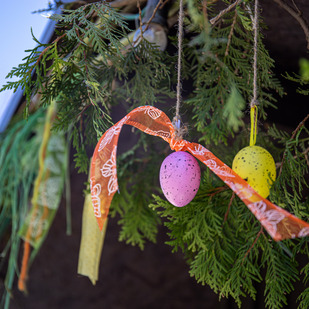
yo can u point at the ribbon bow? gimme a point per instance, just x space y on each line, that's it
279 223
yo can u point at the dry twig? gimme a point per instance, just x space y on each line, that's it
229 8
230 35
298 16
229 207
255 241
160 3
140 17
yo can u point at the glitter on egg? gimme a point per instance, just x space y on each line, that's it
180 178
256 165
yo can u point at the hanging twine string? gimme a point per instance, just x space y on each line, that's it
254 101
255 49
179 131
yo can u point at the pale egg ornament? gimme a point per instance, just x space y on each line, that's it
180 178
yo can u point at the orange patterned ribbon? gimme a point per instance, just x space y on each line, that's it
279 223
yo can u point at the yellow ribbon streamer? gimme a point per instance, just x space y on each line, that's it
51 114
91 243
253 117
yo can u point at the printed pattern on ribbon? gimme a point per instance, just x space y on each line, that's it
304 232
279 223
164 134
111 132
151 111
244 192
199 150
95 198
109 169
268 217
218 170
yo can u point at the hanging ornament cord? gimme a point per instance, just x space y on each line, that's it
253 120
254 101
177 120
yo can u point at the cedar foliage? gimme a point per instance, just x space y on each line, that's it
16 178
91 66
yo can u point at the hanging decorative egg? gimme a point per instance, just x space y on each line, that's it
180 178
257 167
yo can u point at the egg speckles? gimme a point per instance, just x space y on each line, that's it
180 178
257 167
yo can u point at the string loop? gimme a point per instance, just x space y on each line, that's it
253 119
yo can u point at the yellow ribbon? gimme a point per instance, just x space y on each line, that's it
91 243
28 228
253 118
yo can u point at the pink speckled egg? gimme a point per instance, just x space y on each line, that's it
180 178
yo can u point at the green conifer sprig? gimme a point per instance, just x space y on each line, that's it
292 170
138 222
201 231
304 296
281 273
70 59
19 156
224 69
302 79
145 74
102 34
228 252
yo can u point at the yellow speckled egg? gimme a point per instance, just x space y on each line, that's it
257 167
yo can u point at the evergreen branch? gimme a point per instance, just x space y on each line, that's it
230 34
281 272
45 50
216 72
304 299
305 153
138 222
300 125
304 296
253 244
306 156
298 16
229 207
18 153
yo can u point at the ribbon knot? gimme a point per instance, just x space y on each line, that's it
178 145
